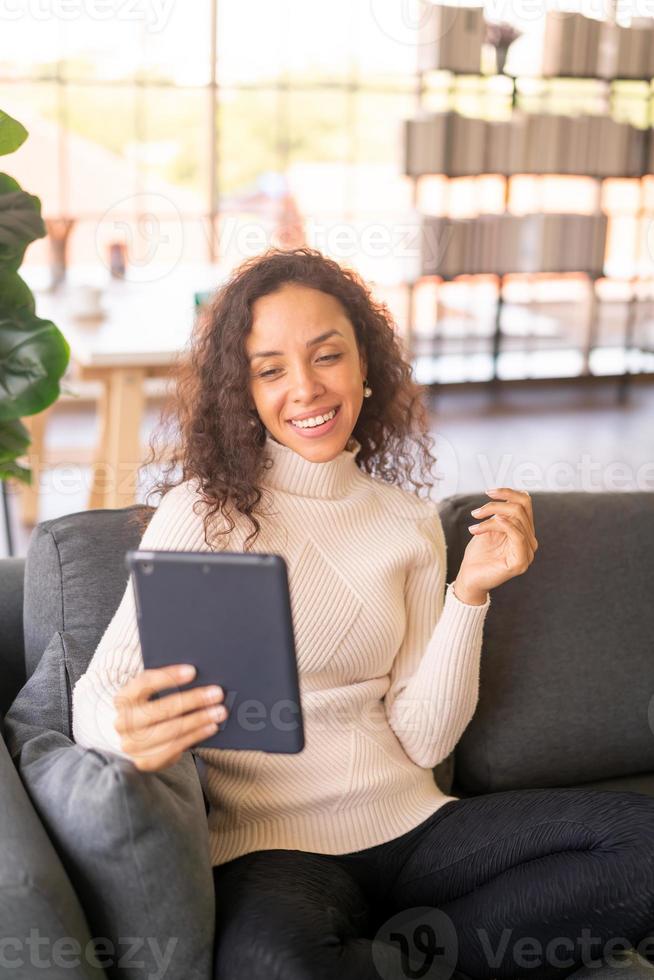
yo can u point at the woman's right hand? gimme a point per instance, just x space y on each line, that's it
154 734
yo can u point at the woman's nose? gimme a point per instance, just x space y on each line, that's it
305 384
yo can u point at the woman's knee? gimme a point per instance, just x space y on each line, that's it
623 827
286 914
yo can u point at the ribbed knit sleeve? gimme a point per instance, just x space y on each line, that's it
117 658
435 675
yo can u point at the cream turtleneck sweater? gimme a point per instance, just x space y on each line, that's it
388 661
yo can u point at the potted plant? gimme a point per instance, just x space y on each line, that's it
34 354
501 36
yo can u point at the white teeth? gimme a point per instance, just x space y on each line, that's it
316 420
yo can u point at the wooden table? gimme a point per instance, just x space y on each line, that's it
145 327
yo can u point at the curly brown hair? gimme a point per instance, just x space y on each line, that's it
205 429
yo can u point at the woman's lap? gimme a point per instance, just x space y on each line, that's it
573 866
509 873
484 835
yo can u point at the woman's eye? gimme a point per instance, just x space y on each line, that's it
325 357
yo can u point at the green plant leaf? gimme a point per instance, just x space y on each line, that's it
20 222
12 133
8 183
14 292
14 440
34 355
16 472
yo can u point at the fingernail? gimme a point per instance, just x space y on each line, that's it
475 511
187 671
471 527
492 490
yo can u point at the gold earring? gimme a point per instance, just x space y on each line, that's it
367 392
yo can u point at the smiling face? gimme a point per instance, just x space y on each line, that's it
304 372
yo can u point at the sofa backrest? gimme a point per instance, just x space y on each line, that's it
567 669
567 672
75 576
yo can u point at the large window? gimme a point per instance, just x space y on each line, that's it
204 132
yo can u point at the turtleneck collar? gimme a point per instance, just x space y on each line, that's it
295 474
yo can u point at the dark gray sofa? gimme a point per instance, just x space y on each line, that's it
567 674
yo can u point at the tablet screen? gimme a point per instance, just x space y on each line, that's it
229 614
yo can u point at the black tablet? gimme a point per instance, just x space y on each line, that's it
228 614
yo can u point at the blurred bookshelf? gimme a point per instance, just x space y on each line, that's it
497 286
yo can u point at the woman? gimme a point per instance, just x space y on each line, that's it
333 862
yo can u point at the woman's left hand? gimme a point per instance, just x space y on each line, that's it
503 545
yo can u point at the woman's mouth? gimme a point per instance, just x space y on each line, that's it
316 426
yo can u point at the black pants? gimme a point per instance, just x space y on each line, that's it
527 883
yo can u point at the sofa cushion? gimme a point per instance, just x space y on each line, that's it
135 845
75 576
642 782
619 964
44 930
567 671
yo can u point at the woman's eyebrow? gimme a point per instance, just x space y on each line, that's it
309 343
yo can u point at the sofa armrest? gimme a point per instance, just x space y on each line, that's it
35 892
12 647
